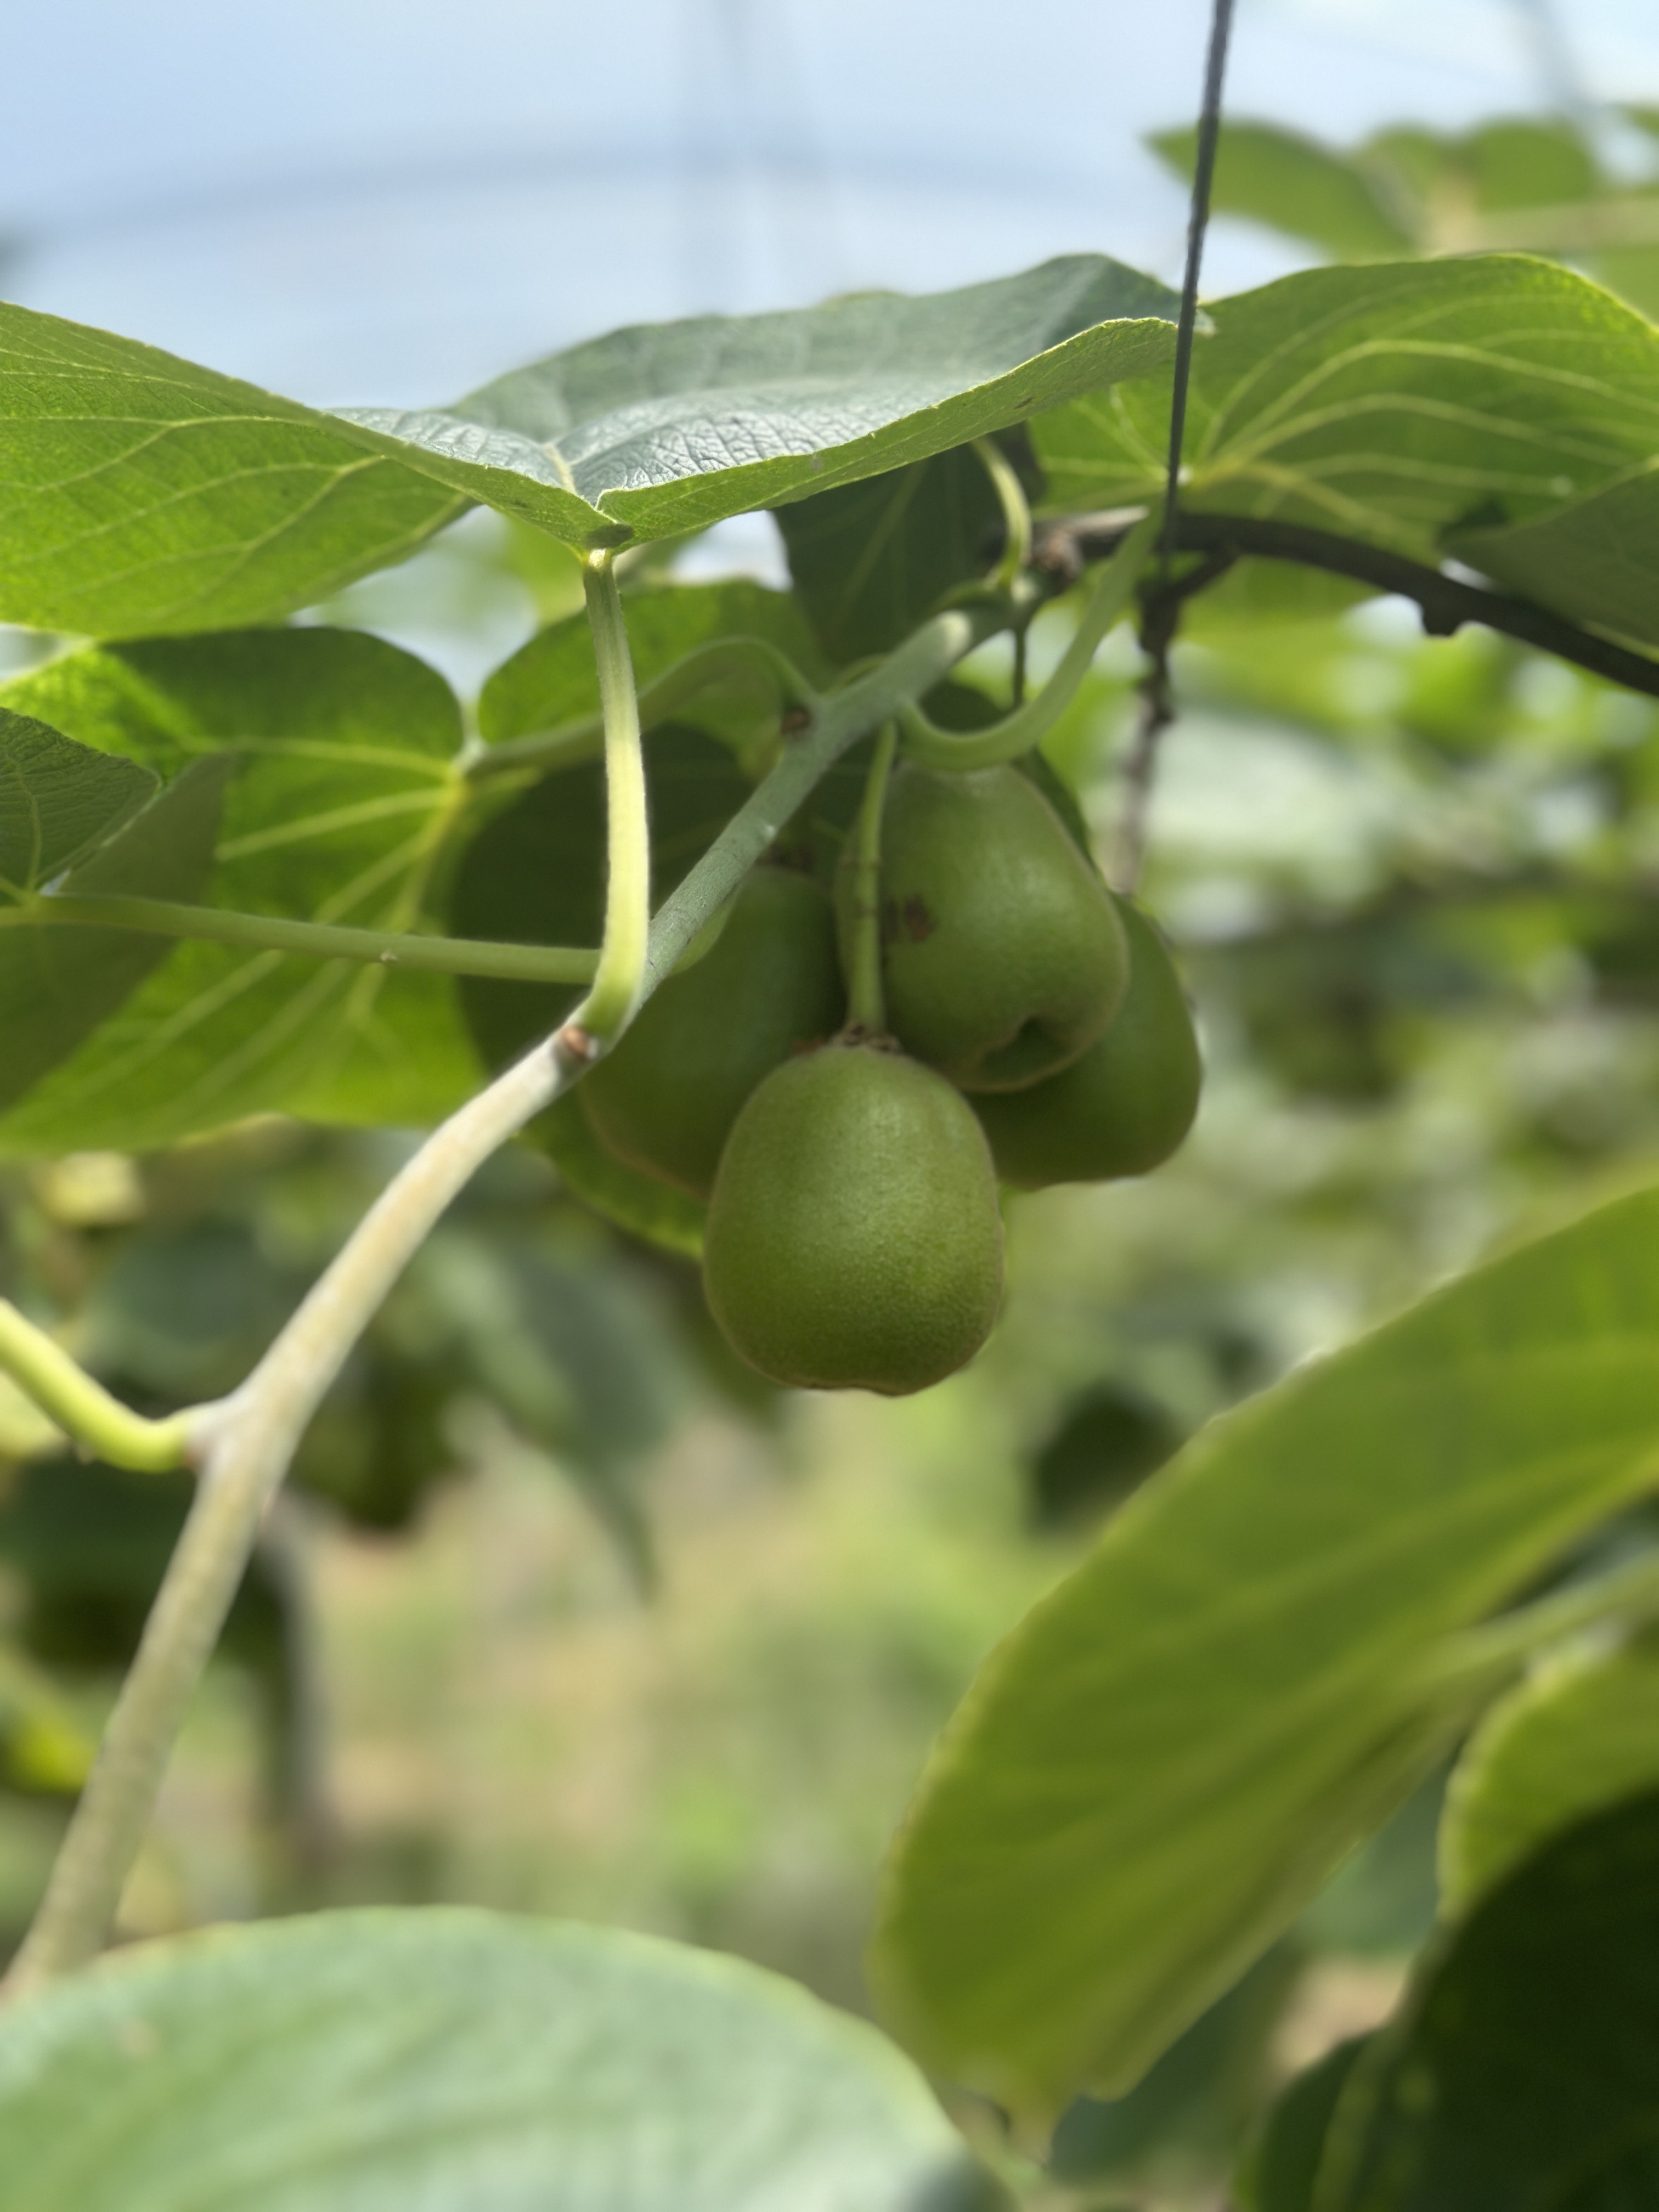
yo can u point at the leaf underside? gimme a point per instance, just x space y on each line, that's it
1161 1764
359 2062
147 495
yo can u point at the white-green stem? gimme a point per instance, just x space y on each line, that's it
1027 726
242 1447
867 1001
316 941
608 1007
1016 511
83 1409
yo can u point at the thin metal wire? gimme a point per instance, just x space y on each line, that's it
1209 130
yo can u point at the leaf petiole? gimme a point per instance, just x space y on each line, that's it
83 1409
265 932
1026 727
606 1010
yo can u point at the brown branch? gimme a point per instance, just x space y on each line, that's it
1066 546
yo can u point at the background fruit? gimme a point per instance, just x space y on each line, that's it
855 1239
1122 1108
665 1099
1004 956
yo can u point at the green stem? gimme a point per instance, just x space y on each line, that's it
1016 511
1497 1648
867 1003
606 1010
1027 726
444 956
730 661
83 1409
244 1445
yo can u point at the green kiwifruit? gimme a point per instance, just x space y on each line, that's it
1126 1105
1003 953
854 1240
665 1099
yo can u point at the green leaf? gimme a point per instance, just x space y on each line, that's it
672 1219
1293 183
553 679
58 800
58 986
669 427
1278 2170
870 560
144 493
1181 2127
1162 1763
356 2062
346 789
1521 2075
1576 1738
1400 405
536 875
1595 559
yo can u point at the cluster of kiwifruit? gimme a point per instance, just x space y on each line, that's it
1036 1033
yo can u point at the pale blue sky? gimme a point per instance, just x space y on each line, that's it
356 200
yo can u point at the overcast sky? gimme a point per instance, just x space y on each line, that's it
361 200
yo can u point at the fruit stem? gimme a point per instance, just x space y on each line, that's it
268 932
1016 511
44 1371
867 1003
1027 726
606 1010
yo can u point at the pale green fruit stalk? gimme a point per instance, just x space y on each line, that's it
854 1240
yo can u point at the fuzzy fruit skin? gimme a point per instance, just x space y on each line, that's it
665 1100
855 1239
1126 1105
1004 956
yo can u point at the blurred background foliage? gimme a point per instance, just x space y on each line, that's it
566 1611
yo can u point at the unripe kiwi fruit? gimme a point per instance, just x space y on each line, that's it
665 1100
1122 1108
854 1240
1003 954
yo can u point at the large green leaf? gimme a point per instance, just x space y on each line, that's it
346 748
870 560
57 800
1398 404
1595 558
669 427
145 494
58 986
1521 2075
376 2061
1292 182
1159 1767
1577 1737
